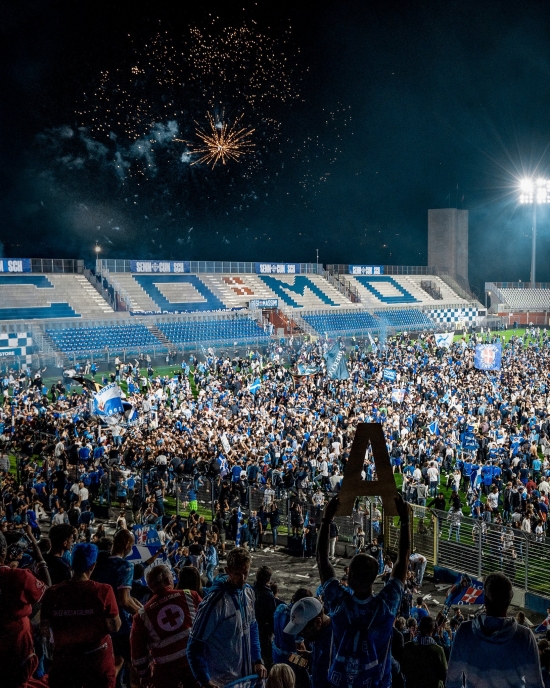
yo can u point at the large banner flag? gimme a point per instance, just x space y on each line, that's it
488 356
468 594
444 339
398 395
469 442
389 374
336 363
108 401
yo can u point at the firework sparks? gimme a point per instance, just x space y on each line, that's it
222 142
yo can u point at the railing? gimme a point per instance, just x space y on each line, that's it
518 285
206 266
57 265
478 548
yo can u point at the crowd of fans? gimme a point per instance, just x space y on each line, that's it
244 423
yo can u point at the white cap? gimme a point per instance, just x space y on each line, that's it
302 613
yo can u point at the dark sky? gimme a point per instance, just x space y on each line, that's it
382 110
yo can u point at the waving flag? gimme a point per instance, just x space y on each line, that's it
444 339
472 594
398 395
108 401
336 363
433 427
488 356
372 343
254 387
239 519
389 374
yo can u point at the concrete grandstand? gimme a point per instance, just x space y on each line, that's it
134 306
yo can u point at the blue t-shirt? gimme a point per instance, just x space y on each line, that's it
283 643
118 573
418 613
385 605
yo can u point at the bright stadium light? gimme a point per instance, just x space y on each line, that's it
534 192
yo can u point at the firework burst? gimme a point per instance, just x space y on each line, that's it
222 142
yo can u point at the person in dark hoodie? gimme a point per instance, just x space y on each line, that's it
493 651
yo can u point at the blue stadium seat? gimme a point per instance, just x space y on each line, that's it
148 284
369 282
55 310
211 331
342 322
115 338
281 288
409 318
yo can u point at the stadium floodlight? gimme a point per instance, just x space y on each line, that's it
534 192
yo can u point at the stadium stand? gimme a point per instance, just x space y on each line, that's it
527 299
170 292
35 296
409 318
304 291
341 322
213 331
237 290
385 290
115 338
210 292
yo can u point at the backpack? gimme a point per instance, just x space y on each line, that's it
356 663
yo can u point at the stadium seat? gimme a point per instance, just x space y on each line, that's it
213 331
408 319
114 338
342 322
55 310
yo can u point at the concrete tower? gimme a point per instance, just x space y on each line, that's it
448 242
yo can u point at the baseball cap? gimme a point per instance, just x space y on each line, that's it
302 613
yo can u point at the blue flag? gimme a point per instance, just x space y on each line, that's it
488 356
472 594
389 374
336 363
255 386
433 427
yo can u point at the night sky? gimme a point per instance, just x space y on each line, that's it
360 115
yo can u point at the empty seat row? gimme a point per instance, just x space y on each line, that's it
213 331
342 322
409 318
101 338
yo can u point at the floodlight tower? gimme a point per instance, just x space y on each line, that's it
534 192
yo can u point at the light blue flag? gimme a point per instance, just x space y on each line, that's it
433 427
255 386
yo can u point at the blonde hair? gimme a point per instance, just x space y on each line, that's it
281 676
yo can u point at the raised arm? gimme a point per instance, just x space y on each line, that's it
326 571
400 568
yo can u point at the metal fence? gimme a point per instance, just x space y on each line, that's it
205 266
477 547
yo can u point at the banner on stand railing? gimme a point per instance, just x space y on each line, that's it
277 268
366 269
160 266
15 264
